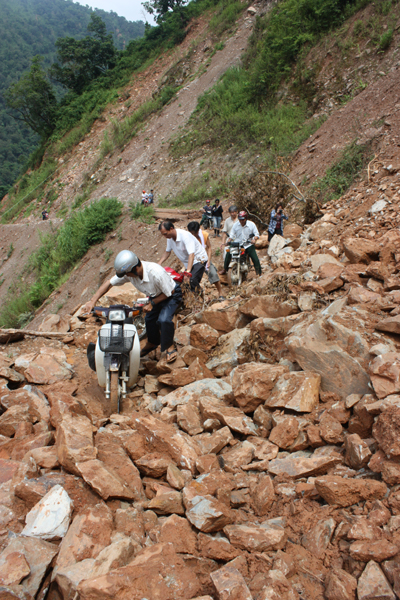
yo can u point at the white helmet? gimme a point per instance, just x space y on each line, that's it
124 262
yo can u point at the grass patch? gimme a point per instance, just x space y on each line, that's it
140 212
341 175
199 189
58 253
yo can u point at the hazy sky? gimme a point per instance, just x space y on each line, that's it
130 9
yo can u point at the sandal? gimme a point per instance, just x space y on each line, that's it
171 355
147 350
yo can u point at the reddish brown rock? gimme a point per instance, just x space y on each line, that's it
214 442
267 307
45 368
156 572
204 337
45 457
188 418
8 468
297 391
255 538
263 495
230 416
216 548
223 317
13 568
373 585
385 374
207 514
230 584
340 585
175 477
252 383
177 531
330 429
103 480
74 442
318 538
239 456
358 453
189 354
363 529
360 250
199 370
153 464
391 473
386 431
11 418
390 324
345 492
177 378
368 550
285 432
296 466
314 437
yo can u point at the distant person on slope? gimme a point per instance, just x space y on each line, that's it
204 238
229 223
207 214
189 251
150 197
276 222
144 197
242 232
217 211
45 215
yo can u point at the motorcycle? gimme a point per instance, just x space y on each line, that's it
208 222
240 263
117 353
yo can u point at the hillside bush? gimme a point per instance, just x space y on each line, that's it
140 212
58 253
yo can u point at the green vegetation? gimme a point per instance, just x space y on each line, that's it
140 212
29 28
204 186
49 266
341 175
246 107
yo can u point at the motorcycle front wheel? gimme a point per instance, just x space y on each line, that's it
114 392
234 275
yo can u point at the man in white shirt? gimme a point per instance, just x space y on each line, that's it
229 223
189 251
241 232
164 298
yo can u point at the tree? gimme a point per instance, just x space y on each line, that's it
162 7
33 100
81 61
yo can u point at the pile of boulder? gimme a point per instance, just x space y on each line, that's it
264 464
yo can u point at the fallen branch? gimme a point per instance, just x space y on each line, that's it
8 335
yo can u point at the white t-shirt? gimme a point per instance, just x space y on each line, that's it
242 234
155 280
186 244
229 223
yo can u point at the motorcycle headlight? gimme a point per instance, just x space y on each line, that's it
116 315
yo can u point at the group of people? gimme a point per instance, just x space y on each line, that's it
193 249
147 197
213 213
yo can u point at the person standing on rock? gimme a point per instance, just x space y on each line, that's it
188 249
229 223
204 238
164 297
217 211
242 232
275 226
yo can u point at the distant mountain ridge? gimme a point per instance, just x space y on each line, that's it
30 27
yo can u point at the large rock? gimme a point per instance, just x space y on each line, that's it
385 374
252 383
297 391
230 584
74 442
318 538
37 554
358 453
204 337
340 585
46 367
390 324
386 431
360 250
103 480
317 260
55 323
232 351
346 492
268 307
49 519
164 438
255 538
121 294
300 466
11 419
177 531
223 318
326 345
31 396
378 550
156 572
230 416
192 393
88 534
373 585
207 514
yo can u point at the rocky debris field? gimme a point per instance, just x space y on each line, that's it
263 464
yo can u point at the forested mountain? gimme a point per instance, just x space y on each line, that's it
30 27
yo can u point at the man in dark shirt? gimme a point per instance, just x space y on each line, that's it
217 211
207 214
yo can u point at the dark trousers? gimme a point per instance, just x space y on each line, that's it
197 273
159 325
251 251
276 232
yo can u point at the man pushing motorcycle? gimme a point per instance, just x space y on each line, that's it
164 297
241 232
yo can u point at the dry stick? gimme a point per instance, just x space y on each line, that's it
49 334
288 178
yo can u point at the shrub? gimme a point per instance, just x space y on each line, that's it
385 40
140 212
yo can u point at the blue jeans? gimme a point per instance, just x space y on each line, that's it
159 325
217 222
